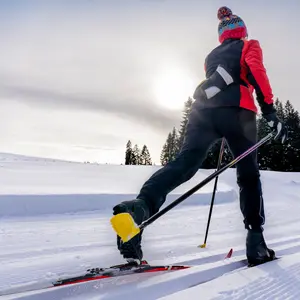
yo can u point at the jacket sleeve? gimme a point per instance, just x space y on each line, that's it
258 78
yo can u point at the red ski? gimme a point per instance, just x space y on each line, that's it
123 269
117 270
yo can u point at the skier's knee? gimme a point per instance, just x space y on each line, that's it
251 179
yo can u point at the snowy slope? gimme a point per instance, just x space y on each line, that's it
54 221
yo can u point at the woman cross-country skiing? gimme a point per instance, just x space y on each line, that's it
224 107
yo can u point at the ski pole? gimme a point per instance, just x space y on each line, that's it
214 192
124 225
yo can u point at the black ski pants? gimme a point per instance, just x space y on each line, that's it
204 127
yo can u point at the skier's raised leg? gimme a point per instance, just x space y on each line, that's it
199 136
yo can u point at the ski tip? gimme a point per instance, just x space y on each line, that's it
229 254
124 226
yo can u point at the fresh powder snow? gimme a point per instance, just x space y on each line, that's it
54 222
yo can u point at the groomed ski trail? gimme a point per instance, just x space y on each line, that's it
159 285
277 280
55 223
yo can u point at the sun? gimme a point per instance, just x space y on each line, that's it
172 88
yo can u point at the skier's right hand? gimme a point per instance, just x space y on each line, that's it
278 127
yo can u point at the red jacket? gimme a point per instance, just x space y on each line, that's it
244 59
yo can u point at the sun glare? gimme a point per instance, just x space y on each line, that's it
172 89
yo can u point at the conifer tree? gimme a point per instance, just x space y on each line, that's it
128 153
166 153
145 156
275 156
291 155
170 148
186 112
135 155
271 156
174 144
163 154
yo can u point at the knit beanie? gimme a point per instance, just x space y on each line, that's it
230 26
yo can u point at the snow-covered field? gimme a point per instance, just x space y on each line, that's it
54 221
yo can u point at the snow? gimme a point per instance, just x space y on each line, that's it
54 222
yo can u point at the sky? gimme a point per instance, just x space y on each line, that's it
78 79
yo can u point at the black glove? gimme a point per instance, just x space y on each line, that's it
279 128
137 208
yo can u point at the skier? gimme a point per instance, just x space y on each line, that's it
224 107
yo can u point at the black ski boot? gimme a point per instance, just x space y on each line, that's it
139 211
257 251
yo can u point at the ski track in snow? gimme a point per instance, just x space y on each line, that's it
275 280
269 287
54 221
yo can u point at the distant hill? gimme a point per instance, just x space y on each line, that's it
11 157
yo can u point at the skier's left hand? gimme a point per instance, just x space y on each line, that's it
281 132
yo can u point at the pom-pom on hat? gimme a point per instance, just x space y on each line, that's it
231 26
